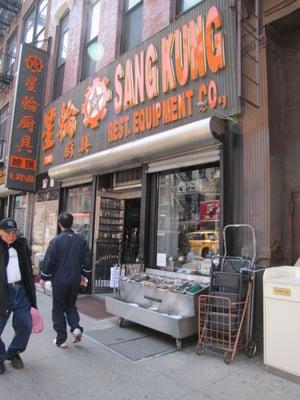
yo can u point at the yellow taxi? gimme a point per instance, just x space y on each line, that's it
204 243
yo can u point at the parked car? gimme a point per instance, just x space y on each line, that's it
204 243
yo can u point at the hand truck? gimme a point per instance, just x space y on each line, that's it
225 316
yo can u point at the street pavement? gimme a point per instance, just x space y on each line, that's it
88 370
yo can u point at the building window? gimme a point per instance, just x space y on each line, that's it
34 24
11 54
61 56
3 128
90 54
186 5
188 220
132 24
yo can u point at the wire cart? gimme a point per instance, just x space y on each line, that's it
225 315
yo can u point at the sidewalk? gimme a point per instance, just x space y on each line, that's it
90 371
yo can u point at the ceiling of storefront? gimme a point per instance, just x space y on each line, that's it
289 23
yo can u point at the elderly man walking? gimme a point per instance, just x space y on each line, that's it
17 292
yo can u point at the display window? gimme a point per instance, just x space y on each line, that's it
188 218
44 227
44 224
79 204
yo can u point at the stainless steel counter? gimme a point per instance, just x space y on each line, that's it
166 311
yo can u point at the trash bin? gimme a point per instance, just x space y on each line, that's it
281 286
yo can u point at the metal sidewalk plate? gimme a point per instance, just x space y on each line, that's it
115 335
142 348
133 343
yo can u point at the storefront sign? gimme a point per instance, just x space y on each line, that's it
26 119
210 210
184 73
280 291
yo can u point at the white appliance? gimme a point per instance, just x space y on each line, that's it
281 286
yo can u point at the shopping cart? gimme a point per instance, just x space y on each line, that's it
225 316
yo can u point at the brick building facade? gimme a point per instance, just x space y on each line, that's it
258 161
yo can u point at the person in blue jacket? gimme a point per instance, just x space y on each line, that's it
17 292
67 260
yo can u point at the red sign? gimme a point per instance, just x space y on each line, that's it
26 119
210 210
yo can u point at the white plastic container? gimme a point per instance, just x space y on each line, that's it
281 286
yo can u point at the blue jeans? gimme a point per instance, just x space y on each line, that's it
19 307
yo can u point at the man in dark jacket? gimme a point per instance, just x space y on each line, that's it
66 261
17 292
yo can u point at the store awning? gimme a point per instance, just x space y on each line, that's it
174 141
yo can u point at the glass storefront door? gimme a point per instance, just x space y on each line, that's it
188 219
117 241
131 231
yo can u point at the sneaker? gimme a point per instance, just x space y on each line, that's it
2 368
61 345
77 335
16 361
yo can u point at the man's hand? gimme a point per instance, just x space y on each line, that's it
43 284
83 281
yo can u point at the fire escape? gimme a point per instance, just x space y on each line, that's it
249 38
9 9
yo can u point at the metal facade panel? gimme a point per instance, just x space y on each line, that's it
256 166
188 93
199 157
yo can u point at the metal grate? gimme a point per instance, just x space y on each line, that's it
6 70
8 10
133 343
142 348
128 176
115 335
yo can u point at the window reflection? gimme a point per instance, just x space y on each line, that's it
95 14
79 204
185 5
29 28
11 54
34 25
188 218
132 24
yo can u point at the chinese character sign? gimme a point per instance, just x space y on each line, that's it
27 115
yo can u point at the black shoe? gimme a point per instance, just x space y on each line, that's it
2 368
16 361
